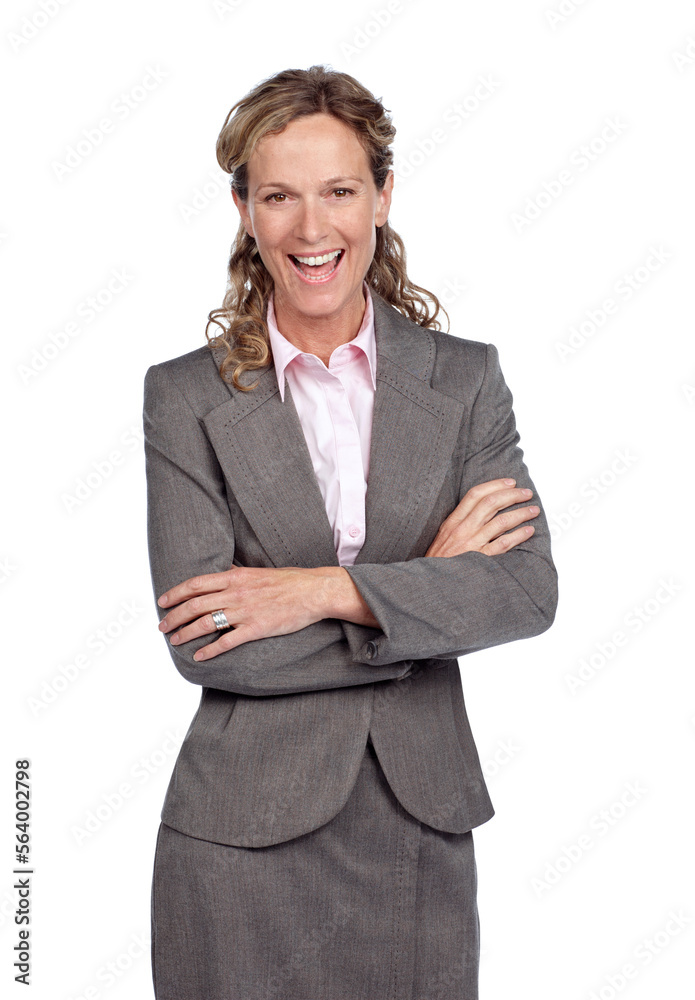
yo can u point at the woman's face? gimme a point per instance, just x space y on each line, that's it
311 193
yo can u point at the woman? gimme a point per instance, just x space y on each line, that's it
316 834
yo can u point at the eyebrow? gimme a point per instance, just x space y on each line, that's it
327 183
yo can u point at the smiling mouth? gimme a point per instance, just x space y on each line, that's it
317 268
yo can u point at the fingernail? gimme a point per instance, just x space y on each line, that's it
163 625
510 482
162 600
527 493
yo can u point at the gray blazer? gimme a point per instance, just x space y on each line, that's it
276 744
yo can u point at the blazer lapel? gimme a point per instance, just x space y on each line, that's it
261 447
414 431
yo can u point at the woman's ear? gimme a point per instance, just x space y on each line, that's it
384 200
244 213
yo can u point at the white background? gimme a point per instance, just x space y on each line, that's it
567 900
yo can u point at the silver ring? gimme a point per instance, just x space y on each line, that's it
220 620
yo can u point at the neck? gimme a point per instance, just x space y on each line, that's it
320 335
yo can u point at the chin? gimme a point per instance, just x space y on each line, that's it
318 305
318 301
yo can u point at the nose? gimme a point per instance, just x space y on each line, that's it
311 222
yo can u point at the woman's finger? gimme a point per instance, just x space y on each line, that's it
479 492
485 510
489 506
500 525
467 536
506 542
244 633
196 607
504 521
483 501
205 583
201 626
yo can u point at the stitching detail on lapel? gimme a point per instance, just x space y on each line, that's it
410 394
425 338
398 330
247 402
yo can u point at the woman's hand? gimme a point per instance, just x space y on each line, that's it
476 526
257 602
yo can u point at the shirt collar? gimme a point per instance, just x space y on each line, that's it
284 351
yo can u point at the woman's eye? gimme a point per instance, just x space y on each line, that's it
279 198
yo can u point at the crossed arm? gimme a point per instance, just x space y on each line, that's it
487 577
268 602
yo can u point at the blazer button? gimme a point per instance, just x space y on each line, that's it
371 650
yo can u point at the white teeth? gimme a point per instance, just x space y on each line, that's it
313 261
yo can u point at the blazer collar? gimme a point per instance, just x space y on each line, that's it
261 448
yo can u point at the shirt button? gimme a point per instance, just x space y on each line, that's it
353 531
370 650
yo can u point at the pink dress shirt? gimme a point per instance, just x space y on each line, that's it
335 407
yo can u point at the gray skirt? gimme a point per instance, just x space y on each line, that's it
373 905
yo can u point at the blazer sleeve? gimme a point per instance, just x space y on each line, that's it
190 532
443 607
